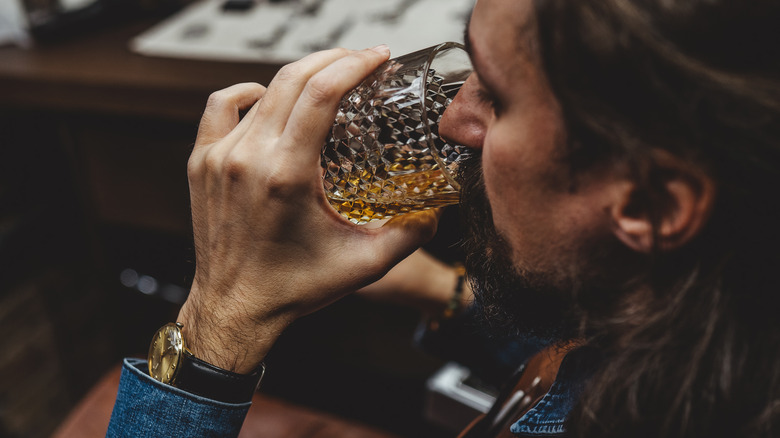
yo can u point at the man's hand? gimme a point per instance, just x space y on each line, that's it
420 281
269 247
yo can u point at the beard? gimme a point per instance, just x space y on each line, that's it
532 306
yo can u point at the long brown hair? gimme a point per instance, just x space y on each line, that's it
695 352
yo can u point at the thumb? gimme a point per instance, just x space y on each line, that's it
402 235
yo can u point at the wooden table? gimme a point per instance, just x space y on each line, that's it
99 73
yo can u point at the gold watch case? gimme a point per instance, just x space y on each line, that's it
165 353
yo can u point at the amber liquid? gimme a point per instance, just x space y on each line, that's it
381 157
425 190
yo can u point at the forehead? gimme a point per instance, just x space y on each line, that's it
502 35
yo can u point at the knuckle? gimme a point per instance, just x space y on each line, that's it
194 167
212 163
231 95
217 99
236 166
280 183
320 90
288 72
367 54
277 188
249 88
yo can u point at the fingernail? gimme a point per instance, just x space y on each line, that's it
382 49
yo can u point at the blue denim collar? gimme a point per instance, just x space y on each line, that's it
548 417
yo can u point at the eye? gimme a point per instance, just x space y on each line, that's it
490 99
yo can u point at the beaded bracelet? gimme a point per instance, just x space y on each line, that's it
456 301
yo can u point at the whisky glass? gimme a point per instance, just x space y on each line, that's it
384 155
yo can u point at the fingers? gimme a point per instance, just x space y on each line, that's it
287 85
315 110
221 113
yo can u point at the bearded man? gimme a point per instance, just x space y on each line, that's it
622 194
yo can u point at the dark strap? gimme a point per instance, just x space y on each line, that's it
533 380
206 380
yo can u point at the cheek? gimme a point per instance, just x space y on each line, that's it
528 190
518 161
511 182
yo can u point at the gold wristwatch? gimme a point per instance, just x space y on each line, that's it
172 363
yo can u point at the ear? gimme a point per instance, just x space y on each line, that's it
682 198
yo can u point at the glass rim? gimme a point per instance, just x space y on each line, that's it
434 51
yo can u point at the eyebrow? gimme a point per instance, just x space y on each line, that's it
467 36
469 46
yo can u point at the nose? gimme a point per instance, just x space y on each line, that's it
465 120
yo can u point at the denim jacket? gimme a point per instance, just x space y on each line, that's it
147 408
548 417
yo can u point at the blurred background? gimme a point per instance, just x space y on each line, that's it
99 106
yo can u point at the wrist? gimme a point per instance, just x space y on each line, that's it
224 338
432 286
449 289
456 303
172 363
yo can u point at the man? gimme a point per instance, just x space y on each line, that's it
628 160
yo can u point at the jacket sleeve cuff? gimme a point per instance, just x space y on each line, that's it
145 407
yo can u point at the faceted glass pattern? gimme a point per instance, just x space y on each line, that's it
384 156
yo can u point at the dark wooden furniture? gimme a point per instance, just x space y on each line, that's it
128 119
93 139
99 73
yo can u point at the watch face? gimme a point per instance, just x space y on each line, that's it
165 353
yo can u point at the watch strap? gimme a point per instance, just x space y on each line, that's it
206 380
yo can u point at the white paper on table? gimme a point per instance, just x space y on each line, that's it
279 33
13 23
